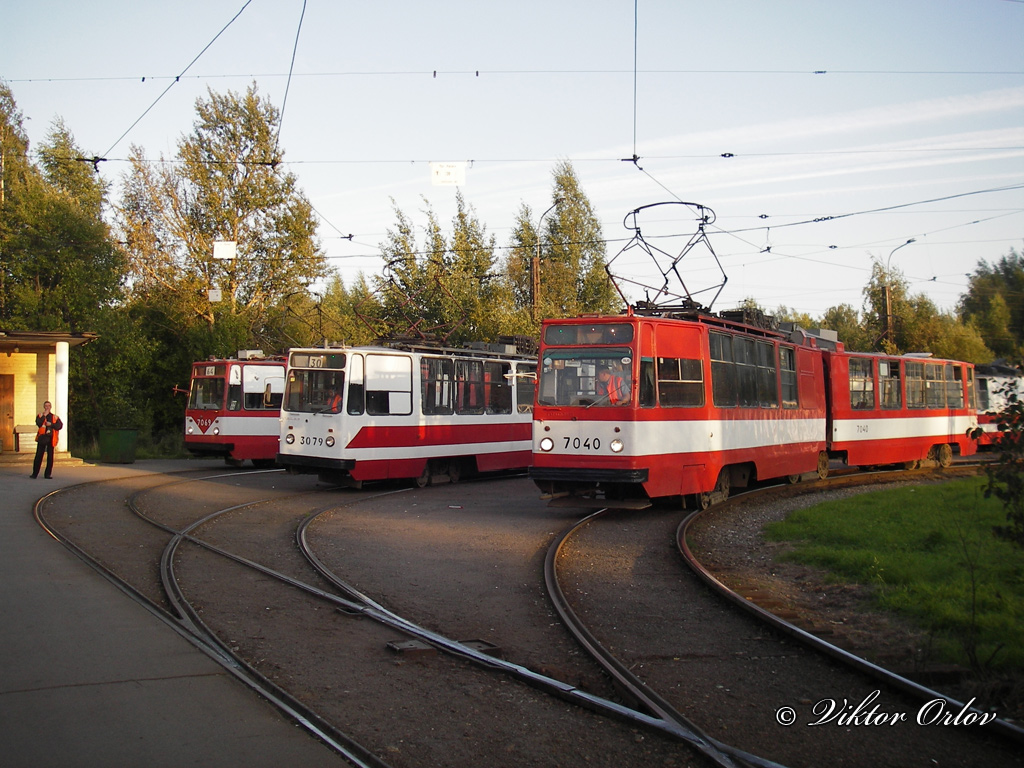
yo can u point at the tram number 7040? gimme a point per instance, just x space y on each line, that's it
580 443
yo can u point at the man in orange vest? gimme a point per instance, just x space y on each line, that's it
46 439
612 386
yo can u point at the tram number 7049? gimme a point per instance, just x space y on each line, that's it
578 443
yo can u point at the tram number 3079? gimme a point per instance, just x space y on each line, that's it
304 440
577 443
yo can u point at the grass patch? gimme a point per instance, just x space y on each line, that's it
929 554
171 446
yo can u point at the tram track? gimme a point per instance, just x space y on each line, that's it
189 609
196 583
631 653
175 610
749 603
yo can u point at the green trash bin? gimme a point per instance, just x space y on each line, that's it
117 446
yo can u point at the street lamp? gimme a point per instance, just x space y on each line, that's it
535 265
888 290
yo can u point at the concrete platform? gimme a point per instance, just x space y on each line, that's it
90 678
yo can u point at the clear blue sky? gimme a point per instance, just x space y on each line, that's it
828 109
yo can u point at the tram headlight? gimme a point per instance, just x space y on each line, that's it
216 430
616 445
289 438
189 431
329 442
547 444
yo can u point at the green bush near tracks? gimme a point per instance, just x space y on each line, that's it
929 554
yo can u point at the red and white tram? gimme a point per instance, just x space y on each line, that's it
995 382
636 407
354 414
234 407
899 409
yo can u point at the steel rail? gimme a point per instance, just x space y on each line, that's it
305 716
898 682
189 627
366 606
718 751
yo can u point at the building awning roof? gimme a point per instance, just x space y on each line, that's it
24 341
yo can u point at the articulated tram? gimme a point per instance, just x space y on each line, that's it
432 414
684 403
233 408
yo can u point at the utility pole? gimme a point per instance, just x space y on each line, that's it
535 264
888 292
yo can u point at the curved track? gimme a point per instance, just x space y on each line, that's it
249 580
633 564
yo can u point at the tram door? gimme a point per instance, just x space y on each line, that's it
7 411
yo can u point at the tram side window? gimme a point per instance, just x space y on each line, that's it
262 388
787 370
234 388
934 385
972 392
526 382
388 385
767 383
862 384
915 385
498 389
889 383
438 379
680 382
469 386
648 389
356 390
745 356
954 385
723 378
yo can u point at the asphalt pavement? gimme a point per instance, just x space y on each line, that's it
88 677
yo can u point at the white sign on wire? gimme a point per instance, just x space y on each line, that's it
448 174
224 250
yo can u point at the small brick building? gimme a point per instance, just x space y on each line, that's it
34 368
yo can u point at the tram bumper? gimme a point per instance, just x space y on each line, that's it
579 487
309 464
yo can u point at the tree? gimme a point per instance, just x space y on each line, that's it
995 302
899 322
226 186
59 262
573 279
350 315
846 322
1006 474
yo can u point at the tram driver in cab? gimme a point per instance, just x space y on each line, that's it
612 387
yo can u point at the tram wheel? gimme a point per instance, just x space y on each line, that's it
822 465
424 479
454 471
236 463
944 455
793 479
721 491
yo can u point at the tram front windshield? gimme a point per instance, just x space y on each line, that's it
318 389
207 394
599 378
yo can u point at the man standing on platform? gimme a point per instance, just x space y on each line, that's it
46 439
